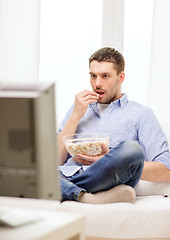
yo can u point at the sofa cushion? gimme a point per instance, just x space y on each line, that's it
148 217
145 188
29 203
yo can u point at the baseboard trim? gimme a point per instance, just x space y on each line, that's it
100 238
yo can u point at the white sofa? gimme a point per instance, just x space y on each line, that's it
147 218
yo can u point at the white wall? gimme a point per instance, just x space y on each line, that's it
70 33
137 43
19 40
159 78
113 24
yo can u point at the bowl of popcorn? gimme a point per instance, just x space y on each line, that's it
89 144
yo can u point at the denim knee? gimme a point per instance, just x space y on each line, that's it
128 152
133 150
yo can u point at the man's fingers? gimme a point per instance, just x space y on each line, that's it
105 148
87 94
90 97
88 158
82 161
84 157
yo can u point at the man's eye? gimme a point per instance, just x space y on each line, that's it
105 76
93 76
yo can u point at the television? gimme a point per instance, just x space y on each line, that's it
28 145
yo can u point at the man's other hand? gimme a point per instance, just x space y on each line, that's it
88 160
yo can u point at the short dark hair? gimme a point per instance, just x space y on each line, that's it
108 54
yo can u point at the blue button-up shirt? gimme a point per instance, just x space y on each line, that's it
123 120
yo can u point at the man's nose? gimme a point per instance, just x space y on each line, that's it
99 82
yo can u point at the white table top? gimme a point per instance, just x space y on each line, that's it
53 225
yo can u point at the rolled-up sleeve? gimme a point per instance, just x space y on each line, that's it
64 121
153 140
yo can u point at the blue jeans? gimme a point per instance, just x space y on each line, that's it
122 165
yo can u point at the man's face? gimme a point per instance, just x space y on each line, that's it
105 81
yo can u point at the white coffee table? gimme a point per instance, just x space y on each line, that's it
54 225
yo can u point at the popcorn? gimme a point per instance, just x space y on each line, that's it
88 148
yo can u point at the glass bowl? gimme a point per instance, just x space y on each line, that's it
89 144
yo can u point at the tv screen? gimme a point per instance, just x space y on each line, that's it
28 145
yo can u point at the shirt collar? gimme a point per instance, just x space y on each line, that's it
120 102
94 107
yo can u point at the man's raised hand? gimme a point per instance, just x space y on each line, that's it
82 100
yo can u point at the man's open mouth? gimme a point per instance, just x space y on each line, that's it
100 92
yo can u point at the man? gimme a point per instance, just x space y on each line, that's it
134 132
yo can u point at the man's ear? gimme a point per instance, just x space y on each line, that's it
121 77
